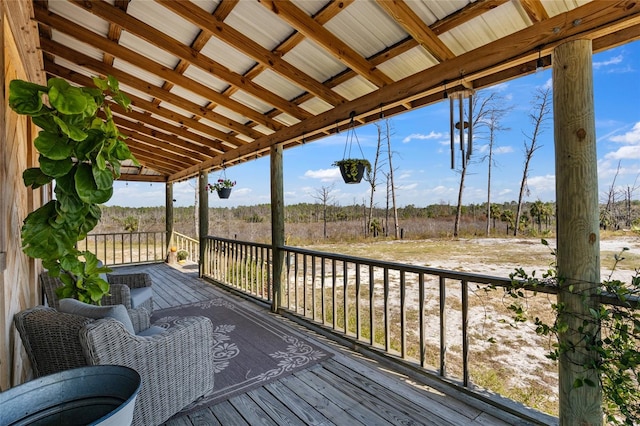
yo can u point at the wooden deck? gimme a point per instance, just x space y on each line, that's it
347 389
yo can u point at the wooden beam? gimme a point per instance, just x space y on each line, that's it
517 48
277 224
124 78
230 35
192 141
101 43
467 13
535 10
74 77
203 219
415 26
578 229
187 55
166 141
308 27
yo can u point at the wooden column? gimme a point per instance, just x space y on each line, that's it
578 239
203 216
168 205
277 224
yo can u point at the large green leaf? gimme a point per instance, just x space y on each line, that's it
72 126
55 168
103 178
26 97
40 239
53 145
87 149
35 178
87 188
66 98
46 122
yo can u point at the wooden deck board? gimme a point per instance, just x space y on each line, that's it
347 389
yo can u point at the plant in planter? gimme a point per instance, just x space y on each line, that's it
222 187
182 255
81 149
353 169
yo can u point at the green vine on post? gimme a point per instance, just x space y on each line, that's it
81 150
612 333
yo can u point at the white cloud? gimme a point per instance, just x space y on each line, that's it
613 61
631 140
625 153
503 150
631 137
421 136
324 175
407 187
540 185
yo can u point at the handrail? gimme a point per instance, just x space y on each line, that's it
188 244
390 308
121 248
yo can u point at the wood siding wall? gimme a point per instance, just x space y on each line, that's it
18 273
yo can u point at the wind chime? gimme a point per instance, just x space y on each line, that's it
460 124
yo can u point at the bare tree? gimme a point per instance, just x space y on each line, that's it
372 178
391 187
494 115
324 197
541 109
478 121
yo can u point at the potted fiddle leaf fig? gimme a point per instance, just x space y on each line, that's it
81 150
353 169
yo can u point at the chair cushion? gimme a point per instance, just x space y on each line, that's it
151 331
140 295
117 312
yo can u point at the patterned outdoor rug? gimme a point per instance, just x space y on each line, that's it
250 350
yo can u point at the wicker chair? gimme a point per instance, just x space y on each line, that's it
176 366
131 290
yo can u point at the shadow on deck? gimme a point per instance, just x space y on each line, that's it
347 389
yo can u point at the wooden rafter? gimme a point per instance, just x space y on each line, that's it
412 24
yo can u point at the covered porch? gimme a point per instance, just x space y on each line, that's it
347 388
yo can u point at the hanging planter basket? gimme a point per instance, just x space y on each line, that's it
222 186
224 192
352 169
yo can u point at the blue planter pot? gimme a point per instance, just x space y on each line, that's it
97 395
224 192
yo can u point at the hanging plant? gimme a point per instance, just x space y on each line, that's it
352 169
81 149
222 186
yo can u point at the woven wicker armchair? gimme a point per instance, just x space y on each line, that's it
130 290
176 365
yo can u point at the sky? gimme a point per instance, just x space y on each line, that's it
421 154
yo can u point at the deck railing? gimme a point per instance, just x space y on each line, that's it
188 244
437 321
387 306
243 266
126 247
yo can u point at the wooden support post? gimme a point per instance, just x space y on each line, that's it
277 224
203 217
168 205
578 251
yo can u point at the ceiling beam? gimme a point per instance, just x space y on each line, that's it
417 29
309 28
134 58
74 77
584 22
233 37
101 68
